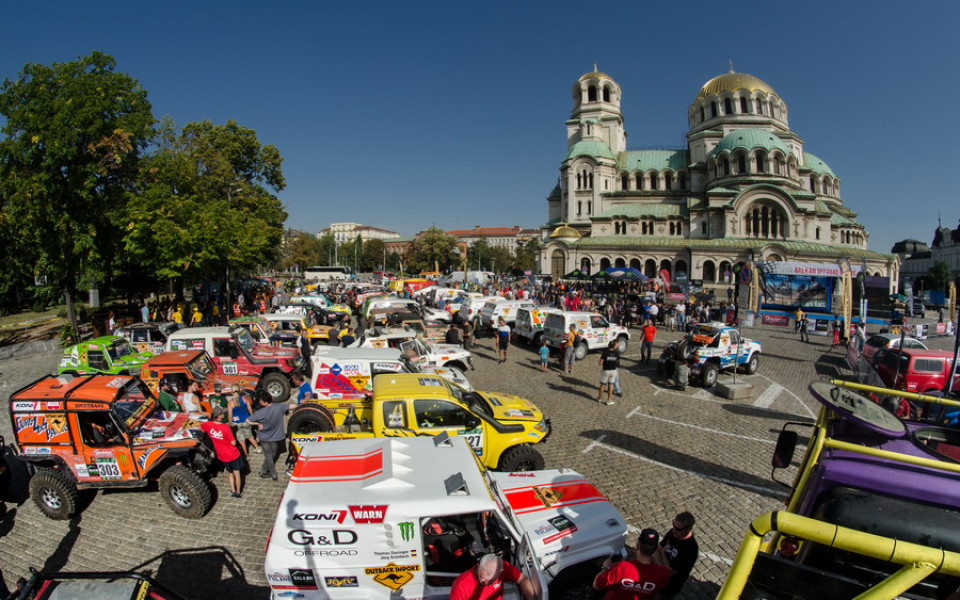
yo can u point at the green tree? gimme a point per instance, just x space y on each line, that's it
73 135
939 276
206 207
373 253
432 247
302 251
478 255
327 244
527 256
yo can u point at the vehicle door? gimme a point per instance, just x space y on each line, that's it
96 362
737 352
526 561
105 447
411 350
599 331
140 340
228 356
436 415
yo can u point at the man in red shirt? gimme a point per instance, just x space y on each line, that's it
637 578
485 580
226 449
649 331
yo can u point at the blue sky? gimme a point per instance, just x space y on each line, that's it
404 115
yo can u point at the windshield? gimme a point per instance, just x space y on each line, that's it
421 347
410 366
133 405
119 349
201 367
246 340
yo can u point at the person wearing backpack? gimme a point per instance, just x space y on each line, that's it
572 340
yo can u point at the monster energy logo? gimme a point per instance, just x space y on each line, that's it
406 530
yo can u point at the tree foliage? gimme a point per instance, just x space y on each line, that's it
74 133
206 202
939 276
433 247
301 251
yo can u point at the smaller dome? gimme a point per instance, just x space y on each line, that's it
564 231
750 139
731 82
590 148
816 165
595 75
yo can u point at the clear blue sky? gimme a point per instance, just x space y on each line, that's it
407 114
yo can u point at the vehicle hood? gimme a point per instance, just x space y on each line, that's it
237 382
449 350
275 352
451 374
567 518
170 426
134 358
507 407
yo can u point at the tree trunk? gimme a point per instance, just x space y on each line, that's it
71 310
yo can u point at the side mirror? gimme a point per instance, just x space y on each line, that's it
472 422
783 452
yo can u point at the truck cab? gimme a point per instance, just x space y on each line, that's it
437 355
403 517
502 429
710 348
107 354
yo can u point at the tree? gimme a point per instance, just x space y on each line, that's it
73 136
478 255
373 256
302 251
939 276
432 247
206 207
527 256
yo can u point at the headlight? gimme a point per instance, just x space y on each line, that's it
542 426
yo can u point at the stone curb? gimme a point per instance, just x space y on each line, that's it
28 349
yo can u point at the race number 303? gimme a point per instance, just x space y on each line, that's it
107 467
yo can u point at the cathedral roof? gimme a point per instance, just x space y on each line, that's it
595 75
657 160
564 231
731 82
659 209
749 139
799 248
590 148
816 165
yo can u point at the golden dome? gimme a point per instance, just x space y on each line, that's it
731 82
564 231
595 75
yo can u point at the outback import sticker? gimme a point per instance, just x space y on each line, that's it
393 576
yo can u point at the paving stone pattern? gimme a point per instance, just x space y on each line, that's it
656 452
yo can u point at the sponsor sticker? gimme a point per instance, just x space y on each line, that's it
392 575
343 581
303 579
406 530
368 513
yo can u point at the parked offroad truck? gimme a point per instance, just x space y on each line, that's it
502 429
874 506
183 367
106 354
234 352
402 518
710 348
103 432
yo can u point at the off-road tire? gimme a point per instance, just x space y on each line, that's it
55 495
708 376
575 583
185 492
580 352
310 418
622 344
753 364
521 458
277 385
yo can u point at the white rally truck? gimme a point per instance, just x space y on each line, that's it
403 517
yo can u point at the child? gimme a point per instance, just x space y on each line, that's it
225 447
544 356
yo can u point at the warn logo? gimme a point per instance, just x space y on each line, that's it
368 513
334 515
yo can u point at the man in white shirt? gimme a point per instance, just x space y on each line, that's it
191 399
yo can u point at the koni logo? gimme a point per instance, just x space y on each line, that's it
337 516
368 513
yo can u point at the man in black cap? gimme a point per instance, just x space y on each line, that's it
680 549
640 577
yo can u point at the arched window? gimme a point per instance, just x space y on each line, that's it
665 265
813 184
680 267
620 263
765 220
667 181
639 179
778 166
759 107
743 104
557 261
604 264
616 228
606 94
741 164
579 207
724 167
816 233
702 115
624 182
713 109
683 181
635 263
585 265
590 181
654 181
579 182
709 271
592 94
650 268
727 106
761 164
725 273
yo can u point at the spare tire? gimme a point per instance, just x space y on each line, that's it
311 418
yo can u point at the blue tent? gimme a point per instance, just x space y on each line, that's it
626 274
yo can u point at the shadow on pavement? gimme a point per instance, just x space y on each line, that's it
209 572
764 413
831 365
685 462
566 389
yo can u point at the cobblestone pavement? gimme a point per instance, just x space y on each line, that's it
656 452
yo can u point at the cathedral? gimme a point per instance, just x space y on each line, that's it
742 189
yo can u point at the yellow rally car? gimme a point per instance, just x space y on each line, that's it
502 429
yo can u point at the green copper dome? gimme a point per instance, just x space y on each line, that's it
590 148
816 165
750 139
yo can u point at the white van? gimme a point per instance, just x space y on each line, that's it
492 311
402 517
471 307
348 372
594 330
530 321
